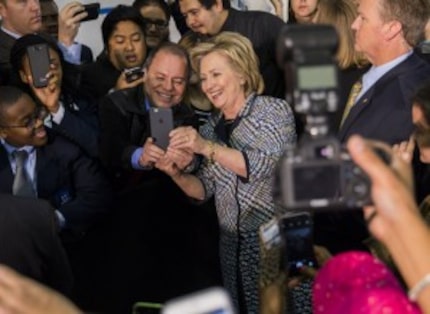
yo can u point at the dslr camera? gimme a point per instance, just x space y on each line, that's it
317 173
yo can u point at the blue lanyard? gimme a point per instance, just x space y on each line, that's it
147 104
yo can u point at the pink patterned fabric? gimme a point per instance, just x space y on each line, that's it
357 283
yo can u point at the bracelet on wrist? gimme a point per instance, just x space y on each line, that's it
415 291
212 150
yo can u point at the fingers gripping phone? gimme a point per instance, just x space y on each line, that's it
161 123
297 234
38 57
93 10
133 74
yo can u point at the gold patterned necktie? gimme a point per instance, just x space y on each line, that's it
22 185
355 90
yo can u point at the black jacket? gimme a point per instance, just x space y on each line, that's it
29 242
124 127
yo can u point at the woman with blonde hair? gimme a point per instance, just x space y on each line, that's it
241 144
341 14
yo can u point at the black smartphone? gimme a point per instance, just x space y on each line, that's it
297 234
93 10
38 56
133 74
161 122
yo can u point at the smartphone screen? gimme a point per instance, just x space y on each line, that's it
38 56
209 301
161 122
93 10
298 243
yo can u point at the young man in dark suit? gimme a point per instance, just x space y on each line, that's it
123 31
60 172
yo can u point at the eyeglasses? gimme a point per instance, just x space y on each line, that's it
158 24
40 113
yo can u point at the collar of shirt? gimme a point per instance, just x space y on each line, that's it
14 35
376 72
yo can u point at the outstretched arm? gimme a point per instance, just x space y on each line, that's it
394 218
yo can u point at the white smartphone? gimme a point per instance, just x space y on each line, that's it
209 301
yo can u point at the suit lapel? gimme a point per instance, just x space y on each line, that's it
6 174
366 99
44 172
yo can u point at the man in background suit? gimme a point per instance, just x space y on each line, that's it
29 242
50 23
19 18
385 32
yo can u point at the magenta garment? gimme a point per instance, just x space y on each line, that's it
357 283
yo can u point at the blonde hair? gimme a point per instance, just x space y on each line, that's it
240 53
194 95
341 14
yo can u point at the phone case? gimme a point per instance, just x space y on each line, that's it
297 233
161 121
93 10
133 74
38 56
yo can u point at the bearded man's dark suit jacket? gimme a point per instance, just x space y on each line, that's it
6 43
72 182
29 242
383 113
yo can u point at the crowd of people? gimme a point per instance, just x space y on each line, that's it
96 215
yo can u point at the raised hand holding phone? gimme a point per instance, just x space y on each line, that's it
297 234
38 58
92 10
70 17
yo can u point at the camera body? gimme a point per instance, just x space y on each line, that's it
317 173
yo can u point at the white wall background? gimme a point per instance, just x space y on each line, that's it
90 32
